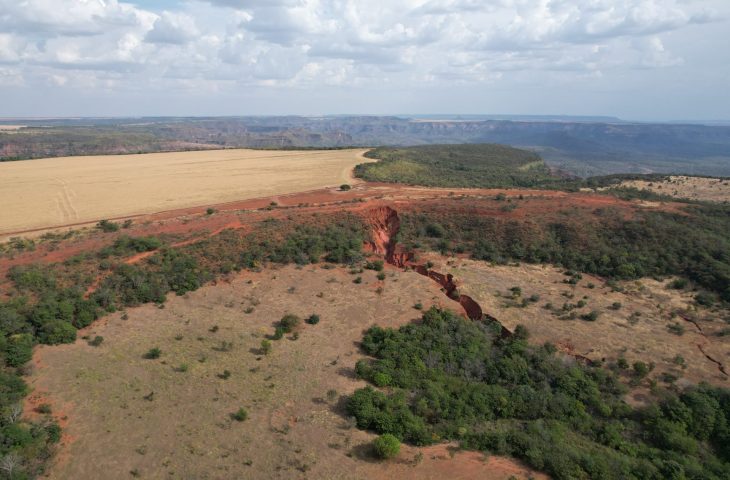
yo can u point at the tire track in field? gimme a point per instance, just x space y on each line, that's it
64 202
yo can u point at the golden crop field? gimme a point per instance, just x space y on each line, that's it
70 190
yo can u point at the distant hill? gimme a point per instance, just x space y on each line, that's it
584 146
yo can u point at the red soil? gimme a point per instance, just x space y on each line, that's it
375 201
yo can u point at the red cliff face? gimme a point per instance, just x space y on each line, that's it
385 225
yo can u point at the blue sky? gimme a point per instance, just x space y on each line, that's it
637 59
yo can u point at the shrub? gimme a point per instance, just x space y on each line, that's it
288 323
96 341
18 349
615 306
706 299
55 332
53 430
641 369
678 284
386 446
377 265
225 375
210 211
357 280
265 347
676 328
381 276
152 353
592 316
345 187
107 226
240 415
435 230
313 319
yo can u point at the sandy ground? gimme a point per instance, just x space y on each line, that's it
182 429
637 330
693 188
61 191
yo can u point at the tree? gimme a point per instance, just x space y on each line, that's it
386 446
19 349
10 463
14 413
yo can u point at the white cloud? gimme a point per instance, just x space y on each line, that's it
219 44
172 28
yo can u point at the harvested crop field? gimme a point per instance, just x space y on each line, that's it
52 192
170 417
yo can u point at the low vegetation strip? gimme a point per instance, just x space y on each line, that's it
479 165
447 378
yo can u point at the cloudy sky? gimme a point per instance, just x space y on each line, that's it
637 59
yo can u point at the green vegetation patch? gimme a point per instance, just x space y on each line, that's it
694 244
476 165
453 379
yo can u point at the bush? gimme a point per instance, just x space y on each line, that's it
107 226
288 323
152 353
96 341
56 332
240 415
592 316
18 349
377 265
265 346
386 446
345 187
641 369
676 328
313 319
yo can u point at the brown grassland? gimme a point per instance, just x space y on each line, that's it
692 188
170 417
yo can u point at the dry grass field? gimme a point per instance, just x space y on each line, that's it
633 323
693 188
73 190
129 417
